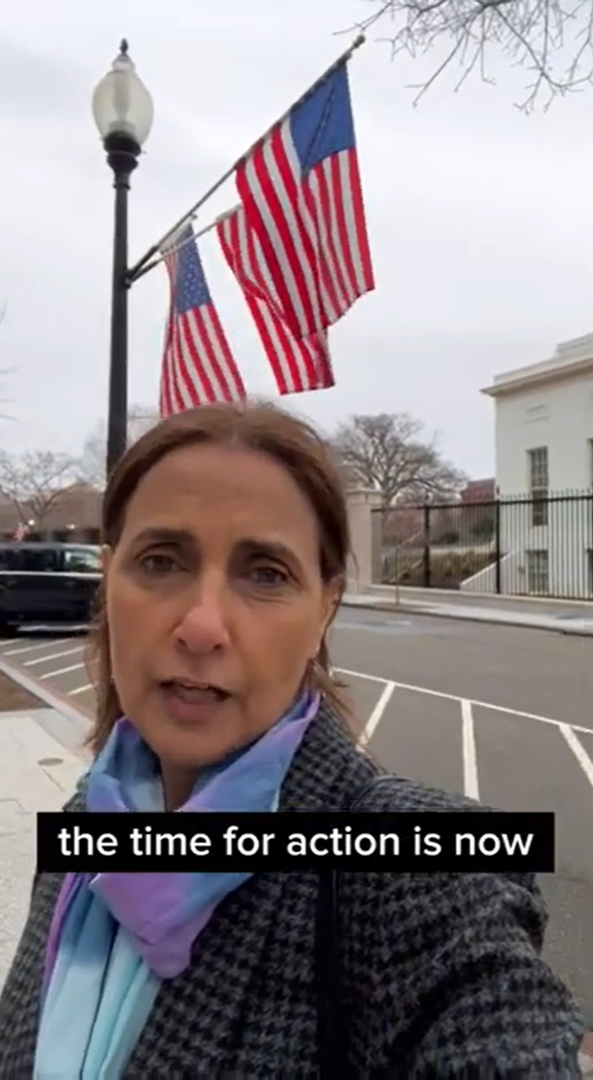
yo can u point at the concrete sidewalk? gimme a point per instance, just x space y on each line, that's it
559 616
36 773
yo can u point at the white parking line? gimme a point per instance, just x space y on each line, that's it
52 656
31 648
360 675
80 689
470 761
579 751
44 693
62 671
377 713
458 698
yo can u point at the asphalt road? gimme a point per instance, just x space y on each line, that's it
502 714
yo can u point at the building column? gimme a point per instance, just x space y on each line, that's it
361 503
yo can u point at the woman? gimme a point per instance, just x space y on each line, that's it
225 550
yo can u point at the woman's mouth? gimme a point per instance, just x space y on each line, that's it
192 702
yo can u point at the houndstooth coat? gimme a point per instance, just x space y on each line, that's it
440 974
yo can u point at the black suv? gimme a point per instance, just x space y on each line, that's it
47 583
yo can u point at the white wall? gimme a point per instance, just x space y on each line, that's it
558 415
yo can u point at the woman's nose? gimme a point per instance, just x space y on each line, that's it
203 626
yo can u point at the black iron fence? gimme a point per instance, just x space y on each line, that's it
531 546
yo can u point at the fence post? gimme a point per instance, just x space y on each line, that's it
361 502
426 555
497 531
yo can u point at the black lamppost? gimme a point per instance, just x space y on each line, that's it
123 112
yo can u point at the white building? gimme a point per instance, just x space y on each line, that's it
544 474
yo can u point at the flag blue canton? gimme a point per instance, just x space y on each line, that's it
191 290
323 124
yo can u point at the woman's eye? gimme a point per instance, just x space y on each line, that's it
269 576
158 564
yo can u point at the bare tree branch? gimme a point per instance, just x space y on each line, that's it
91 466
388 453
551 39
35 482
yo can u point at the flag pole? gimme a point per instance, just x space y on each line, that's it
190 239
137 270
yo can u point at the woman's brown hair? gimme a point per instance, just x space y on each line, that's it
295 445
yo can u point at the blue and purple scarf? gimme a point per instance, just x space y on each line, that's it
164 913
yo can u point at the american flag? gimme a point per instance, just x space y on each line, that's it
198 365
302 194
297 365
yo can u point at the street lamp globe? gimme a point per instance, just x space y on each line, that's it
122 106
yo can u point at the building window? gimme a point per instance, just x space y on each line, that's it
538 484
538 575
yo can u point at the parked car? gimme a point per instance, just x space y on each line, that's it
45 583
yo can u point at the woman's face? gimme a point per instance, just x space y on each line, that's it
215 602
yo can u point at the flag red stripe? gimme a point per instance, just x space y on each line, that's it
342 254
311 228
198 366
362 236
288 364
238 252
297 365
269 191
322 209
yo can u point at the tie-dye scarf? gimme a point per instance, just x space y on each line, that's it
164 912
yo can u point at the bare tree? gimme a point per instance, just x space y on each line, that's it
34 482
389 452
551 39
91 466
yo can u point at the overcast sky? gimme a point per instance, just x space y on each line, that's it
480 218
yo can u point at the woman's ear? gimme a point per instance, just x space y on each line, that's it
334 591
106 557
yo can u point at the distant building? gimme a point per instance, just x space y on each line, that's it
544 472
74 515
478 491
544 422
9 519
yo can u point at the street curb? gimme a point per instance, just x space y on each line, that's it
413 609
518 598
53 700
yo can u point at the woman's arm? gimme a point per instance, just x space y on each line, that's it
455 984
